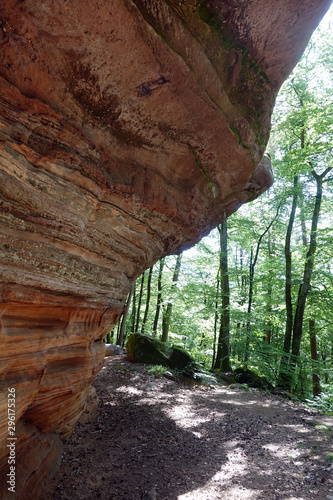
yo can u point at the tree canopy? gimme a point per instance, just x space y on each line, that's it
257 291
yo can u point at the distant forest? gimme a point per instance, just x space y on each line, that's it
257 292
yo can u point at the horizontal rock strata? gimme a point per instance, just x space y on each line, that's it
128 130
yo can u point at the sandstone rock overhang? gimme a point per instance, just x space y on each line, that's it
128 129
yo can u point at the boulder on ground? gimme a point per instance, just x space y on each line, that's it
145 349
114 350
246 376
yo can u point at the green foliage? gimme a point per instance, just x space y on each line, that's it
324 402
301 141
156 370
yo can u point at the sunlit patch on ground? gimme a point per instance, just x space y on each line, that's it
192 443
132 391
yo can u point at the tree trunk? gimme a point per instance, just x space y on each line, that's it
109 336
316 388
140 301
145 316
167 314
243 279
249 309
118 329
268 332
133 309
303 224
284 376
121 335
222 358
287 252
216 314
159 297
308 268
253 262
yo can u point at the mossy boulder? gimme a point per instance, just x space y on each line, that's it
145 349
180 358
246 376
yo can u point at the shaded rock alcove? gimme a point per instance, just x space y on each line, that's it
128 130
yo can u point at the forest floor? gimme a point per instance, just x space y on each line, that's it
156 439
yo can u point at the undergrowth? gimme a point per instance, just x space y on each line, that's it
323 402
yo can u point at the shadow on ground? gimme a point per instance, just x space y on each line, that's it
154 439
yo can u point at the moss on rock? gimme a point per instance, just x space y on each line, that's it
246 376
180 358
145 349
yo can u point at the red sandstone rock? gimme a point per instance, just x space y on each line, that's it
127 130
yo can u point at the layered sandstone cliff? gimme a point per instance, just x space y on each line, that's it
128 128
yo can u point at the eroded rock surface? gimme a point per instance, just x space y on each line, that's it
128 128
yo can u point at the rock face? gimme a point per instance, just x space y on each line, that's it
128 129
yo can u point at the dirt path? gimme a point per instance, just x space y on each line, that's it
156 439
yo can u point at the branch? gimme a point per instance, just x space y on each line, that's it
298 137
328 169
322 175
263 234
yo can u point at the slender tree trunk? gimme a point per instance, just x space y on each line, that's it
268 332
145 316
217 292
236 268
249 309
323 356
253 262
121 335
303 224
167 313
243 279
109 336
314 356
159 297
287 252
140 301
308 268
316 387
118 329
133 309
222 358
284 376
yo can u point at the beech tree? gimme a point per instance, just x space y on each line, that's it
147 300
258 290
305 134
159 297
167 307
222 361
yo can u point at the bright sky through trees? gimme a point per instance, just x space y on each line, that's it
279 246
